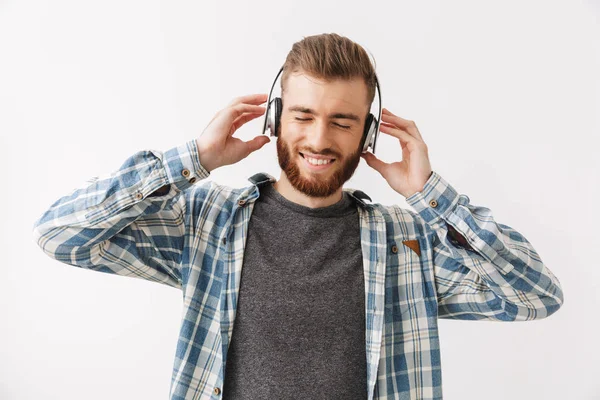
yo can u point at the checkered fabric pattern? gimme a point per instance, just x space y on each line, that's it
446 259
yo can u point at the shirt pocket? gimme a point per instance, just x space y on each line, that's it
405 278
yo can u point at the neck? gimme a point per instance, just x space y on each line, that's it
285 188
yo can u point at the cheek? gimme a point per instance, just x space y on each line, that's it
291 130
291 134
349 142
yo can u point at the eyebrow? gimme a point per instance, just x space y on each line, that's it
338 115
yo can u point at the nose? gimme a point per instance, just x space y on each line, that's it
318 137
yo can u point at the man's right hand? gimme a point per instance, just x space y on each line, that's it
216 145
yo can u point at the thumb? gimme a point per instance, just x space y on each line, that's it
375 163
257 143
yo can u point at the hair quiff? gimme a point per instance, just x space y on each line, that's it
330 56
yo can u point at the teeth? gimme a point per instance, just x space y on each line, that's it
315 161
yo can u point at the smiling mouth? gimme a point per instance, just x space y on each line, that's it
317 161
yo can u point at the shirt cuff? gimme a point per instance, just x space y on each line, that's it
182 165
437 199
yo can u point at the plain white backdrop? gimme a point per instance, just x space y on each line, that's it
505 94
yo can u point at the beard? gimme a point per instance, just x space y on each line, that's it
316 186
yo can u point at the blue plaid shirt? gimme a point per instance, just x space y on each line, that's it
449 259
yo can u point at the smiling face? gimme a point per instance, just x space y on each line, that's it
318 146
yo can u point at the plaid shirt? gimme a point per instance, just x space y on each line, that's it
449 259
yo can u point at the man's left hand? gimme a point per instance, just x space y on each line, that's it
409 175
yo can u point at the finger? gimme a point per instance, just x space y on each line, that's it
405 124
392 126
404 138
396 120
256 143
236 111
257 98
375 163
241 120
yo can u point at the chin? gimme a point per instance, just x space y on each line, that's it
318 181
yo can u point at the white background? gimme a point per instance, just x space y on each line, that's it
505 94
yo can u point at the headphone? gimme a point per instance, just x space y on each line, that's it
275 108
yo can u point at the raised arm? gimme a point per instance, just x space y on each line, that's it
483 269
130 222
134 221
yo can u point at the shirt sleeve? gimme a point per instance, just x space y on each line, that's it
483 269
117 223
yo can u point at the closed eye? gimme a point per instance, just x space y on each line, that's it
308 119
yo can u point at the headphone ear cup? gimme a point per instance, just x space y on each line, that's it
277 114
369 132
273 116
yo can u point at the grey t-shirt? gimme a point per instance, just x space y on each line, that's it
299 331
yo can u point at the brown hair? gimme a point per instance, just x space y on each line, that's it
330 56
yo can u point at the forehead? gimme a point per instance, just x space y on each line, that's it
335 95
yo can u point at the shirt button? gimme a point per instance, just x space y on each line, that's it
394 249
193 180
241 203
433 203
185 173
139 196
217 390
224 240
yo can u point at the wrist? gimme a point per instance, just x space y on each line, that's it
204 157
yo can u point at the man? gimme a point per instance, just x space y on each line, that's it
298 288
